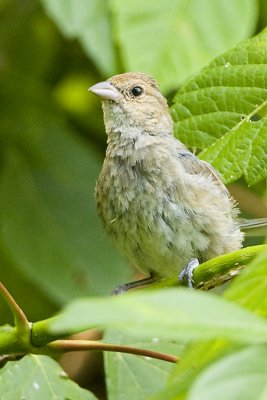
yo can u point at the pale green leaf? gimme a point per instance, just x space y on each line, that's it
250 288
195 358
168 314
132 377
242 375
38 378
49 229
89 22
172 41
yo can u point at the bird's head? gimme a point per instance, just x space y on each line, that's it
133 101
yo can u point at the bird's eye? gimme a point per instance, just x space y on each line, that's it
136 91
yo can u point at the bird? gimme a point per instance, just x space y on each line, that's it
164 208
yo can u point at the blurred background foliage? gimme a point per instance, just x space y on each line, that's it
52 140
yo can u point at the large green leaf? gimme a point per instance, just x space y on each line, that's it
49 230
132 377
89 22
172 40
250 288
167 314
225 107
241 151
196 357
242 375
38 378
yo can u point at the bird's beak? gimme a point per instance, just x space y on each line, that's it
106 91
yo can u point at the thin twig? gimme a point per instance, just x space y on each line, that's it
20 319
77 345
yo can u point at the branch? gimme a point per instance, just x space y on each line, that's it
219 270
42 341
78 345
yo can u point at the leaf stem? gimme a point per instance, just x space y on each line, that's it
77 345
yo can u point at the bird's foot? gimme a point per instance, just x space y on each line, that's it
186 276
122 289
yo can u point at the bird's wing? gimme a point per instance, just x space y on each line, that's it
194 165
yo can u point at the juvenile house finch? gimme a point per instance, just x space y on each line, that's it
160 204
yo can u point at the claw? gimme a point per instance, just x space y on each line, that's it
122 289
119 290
186 276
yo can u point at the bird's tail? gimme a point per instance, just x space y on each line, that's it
256 226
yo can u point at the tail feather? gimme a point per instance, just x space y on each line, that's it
252 223
254 227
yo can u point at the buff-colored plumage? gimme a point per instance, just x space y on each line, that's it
158 203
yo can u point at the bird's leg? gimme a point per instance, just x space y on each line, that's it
122 289
186 276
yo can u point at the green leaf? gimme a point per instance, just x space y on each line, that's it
38 378
241 151
225 108
49 228
195 358
262 14
172 41
136 378
242 375
168 314
250 288
89 22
